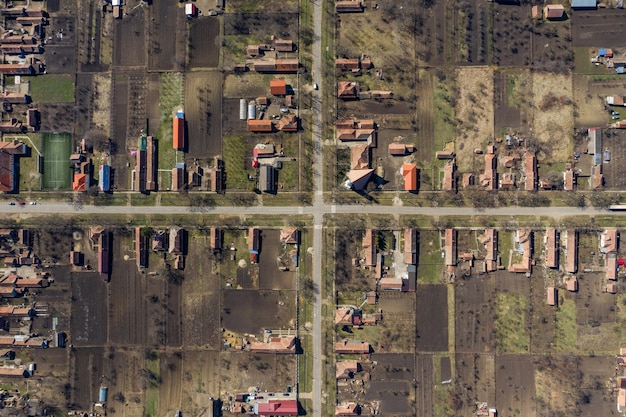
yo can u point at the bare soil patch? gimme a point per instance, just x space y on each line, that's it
267 371
553 116
203 111
424 376
168 36
596 28
593 305
204 42
614 171
86 376
270 277
127 308
201 297
475 380
251 311
474 311
89 309
552 47
589 97
474 112
129 35
515 384
512 31
432 318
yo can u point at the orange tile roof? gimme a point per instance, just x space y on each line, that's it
572 251
278 87
80 182
409 172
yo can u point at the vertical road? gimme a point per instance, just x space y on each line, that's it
318 208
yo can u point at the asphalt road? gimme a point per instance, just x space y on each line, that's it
317 210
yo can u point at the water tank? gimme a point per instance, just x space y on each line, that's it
251 110
103 394
242 109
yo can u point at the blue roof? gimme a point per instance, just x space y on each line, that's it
180 165
619 70
602 52
180 114
584 4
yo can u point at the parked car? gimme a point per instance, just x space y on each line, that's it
614 113
315 86
615 117
21 203
33 203
11 203
178 413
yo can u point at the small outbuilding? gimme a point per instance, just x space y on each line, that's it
552 295
554 12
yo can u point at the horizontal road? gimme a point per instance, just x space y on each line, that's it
316 210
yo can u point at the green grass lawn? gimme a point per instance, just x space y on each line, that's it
152 390
566 334
511 332
56 149
444 117
51 88
234 153
171 97
583 64
430 261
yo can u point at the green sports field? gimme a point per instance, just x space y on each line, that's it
57 173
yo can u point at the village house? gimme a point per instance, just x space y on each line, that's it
278 87
349 6
347 316
490 240
552 296
275 344
254 238
554 12
571 240
288 123
410 246
597 177
524 241
347 369
489 180
347 409
369 248
290 236
356 130
449 182
277 66
450 247
216 238
360 157
352 347
530 171
282 45
552 248
141 248
347 90
358 178
400 149
409 172
572 284
609 241
276 408
9 154
264 126
569 178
